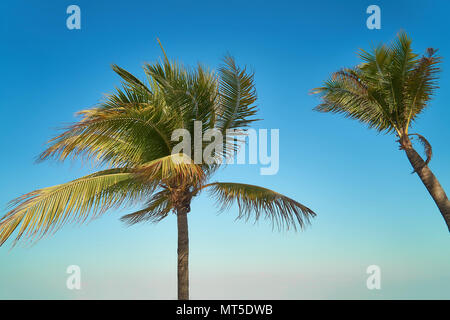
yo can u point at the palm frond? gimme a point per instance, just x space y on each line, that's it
155 210
237 97
421 83
46 210
347 93
118 137
254 201
131 81
426 145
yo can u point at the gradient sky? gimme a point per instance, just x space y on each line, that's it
371 209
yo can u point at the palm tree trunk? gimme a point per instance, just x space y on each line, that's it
428 178
183 254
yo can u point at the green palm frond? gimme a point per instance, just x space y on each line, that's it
102 148
118 137
131 81
155 210
46 210
256 201
346 94
237 97
421 83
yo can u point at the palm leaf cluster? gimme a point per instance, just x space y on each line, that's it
387 91
128 137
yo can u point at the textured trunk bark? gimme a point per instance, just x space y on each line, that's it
429 180
183 255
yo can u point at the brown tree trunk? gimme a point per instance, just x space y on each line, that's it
183 254
428 178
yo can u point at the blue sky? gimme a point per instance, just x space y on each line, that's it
371 210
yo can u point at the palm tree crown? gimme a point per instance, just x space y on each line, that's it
387 92
129 136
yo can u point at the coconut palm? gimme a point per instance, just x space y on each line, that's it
129 137
387 92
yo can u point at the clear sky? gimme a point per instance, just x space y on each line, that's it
371 209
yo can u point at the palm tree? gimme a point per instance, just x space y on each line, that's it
129 135
387 92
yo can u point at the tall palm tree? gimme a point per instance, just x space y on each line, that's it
129 135
387 91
